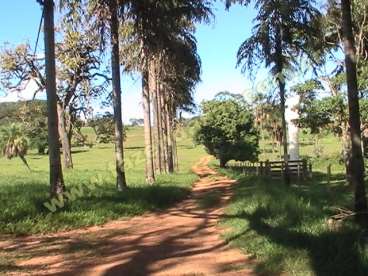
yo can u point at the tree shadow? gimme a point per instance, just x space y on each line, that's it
140 247
22 201
294 219
76 151
330 253
134 148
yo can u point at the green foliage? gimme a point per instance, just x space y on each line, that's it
32 115
281 34
308 90
286 228
326 113
227 131
23 195
105 128
13 143
136 122
329 113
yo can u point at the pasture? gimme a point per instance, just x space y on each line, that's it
23 193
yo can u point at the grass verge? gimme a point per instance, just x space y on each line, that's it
285 227
24 193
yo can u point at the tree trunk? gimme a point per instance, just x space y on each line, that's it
65 141
222 163
346 151
281 81
150 175
286 175
154 125
357 162
116 97
156 118
56 174
175 149
158 115
163 130
170 159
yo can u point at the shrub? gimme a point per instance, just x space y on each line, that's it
227 131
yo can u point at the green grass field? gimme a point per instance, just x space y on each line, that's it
24 193
286 228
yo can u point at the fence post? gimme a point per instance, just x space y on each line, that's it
268 169
261 168
298 166
310 170
305 169
328 173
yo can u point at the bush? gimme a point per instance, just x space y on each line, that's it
227 131
105 128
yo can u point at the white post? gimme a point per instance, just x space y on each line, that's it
291 115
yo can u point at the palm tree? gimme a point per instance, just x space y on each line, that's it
357 162
13 143
116 95
181 72
104 16
156 24
56 173
282 34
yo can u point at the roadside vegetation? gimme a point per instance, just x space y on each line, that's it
289 228
23 193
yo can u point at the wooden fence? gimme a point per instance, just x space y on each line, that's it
297 169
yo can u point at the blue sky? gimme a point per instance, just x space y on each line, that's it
217 45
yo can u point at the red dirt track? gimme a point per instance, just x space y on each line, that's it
183 240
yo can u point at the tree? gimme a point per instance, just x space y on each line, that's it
268 120
227 131
116 95
13 143
56 173
33 116
79 74
155 28
357 162
104 127
105 16
136 122
284 31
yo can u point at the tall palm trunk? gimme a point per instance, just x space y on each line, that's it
155 111
65 141
149 169
357 162
165 131
176 156
173 139
170 159
116 97
157 127
161 116
56 174
281 83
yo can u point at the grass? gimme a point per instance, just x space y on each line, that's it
286 228
24 193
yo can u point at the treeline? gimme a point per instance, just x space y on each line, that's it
309 37
85 53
